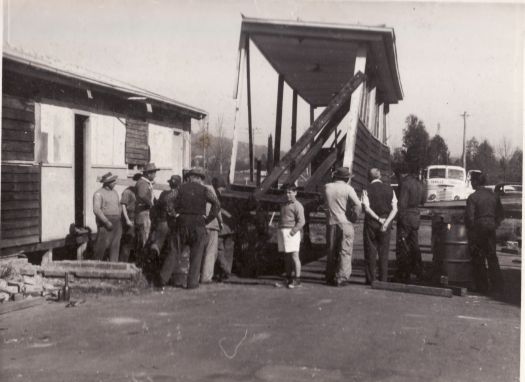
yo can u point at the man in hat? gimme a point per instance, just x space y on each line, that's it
408 254
165 214
343 208
380 205
484 213
191 225
144 188
106 208
128 200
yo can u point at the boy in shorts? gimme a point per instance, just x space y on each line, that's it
289 235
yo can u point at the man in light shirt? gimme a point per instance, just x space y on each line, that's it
380 205
343 208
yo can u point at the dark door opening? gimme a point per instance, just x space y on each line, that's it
80 148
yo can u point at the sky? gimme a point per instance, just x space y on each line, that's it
453 56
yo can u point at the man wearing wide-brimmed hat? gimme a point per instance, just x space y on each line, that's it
343 208
191 225
128 201
107 210
144 188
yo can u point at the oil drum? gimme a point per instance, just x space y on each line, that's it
450 247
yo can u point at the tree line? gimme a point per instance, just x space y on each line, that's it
502 163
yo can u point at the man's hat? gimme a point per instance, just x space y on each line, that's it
107 178
342 173
175 179
150 167
197 171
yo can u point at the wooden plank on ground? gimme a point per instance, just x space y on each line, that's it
23 304
408 288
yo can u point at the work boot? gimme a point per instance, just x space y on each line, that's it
295 283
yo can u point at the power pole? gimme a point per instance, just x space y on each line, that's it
464 156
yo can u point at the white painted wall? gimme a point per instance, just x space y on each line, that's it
105 149
58 199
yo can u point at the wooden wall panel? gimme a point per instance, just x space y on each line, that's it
20 200
18 129
137 149
369 152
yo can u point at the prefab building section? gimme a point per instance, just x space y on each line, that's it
317 60
61 130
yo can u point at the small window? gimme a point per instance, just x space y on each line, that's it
437 173
456 174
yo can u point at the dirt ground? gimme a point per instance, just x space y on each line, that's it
250 330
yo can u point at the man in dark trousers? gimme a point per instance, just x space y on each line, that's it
380 206
128 200
191 225
408 254
144 187
484 213
107 210
165 214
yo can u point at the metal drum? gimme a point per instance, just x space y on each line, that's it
450 249
456 263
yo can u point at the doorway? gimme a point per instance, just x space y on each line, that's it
80 166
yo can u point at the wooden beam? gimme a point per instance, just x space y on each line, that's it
355 103
372 112
407 288
381 125
237 96
249 100
278 120
309 135
325 166
315 147
294 123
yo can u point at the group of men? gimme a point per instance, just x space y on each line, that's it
183 223
483 215
187 219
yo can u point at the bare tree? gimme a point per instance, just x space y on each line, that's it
505 151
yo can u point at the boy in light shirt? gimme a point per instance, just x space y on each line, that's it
289 234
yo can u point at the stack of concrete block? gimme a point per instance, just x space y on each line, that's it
19 279
94 276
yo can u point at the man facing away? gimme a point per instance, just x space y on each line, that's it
484 213
411 196
289 235
144 204
106 208
342 201
380 205
191 225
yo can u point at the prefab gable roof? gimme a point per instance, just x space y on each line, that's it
80 78
317 59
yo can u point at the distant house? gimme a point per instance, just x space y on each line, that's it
61 130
